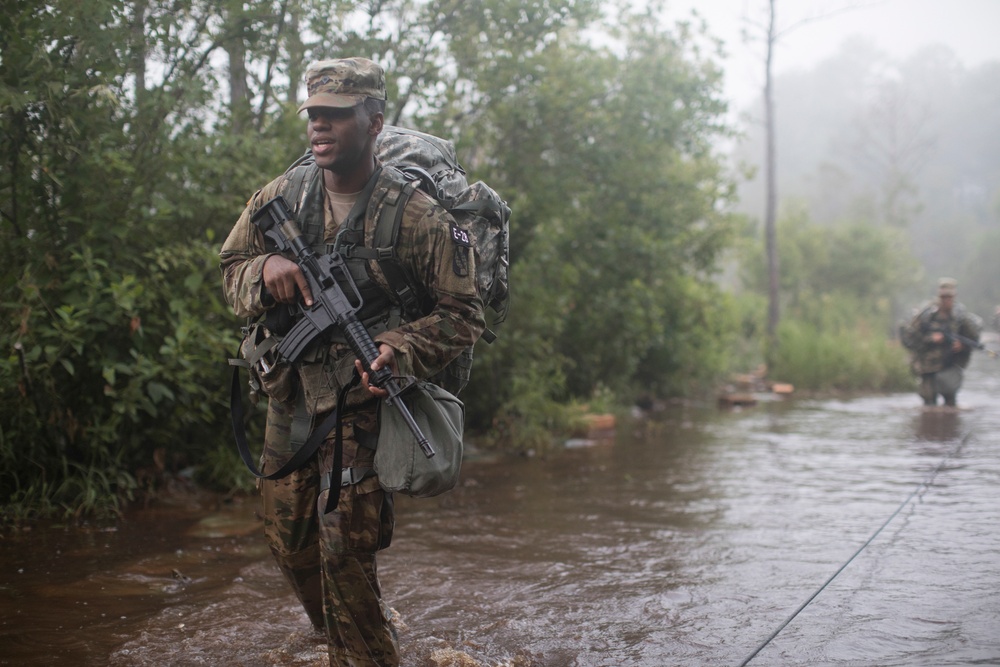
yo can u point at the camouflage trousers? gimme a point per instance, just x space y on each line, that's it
329 558
945 383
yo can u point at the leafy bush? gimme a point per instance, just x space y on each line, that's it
837 287
116 374
845 359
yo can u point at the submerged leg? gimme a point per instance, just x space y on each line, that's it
926 390
288 506
360 632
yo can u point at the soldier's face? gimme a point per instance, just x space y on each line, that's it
947 301
339 137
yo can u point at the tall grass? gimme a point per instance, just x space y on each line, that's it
842 359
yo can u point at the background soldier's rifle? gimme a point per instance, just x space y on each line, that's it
968 342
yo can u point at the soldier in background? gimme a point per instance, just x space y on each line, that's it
933 336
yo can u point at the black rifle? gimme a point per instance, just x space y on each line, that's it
968 342
333 306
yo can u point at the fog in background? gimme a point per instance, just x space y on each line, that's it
887 112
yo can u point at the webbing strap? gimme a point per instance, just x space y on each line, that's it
337 469
301 455
254 355
360 207
302 422
348 476
386 234
262 348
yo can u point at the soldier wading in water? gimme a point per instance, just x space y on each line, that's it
934 337
329 557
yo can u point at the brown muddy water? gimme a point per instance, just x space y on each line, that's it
688 539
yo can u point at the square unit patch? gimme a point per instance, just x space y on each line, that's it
460 236
460 263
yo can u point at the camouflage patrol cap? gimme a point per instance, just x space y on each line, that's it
947 287
343 82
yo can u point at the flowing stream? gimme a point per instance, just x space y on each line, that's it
688 538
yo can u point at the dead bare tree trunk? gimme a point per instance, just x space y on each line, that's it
138 46
771 205
236 50
772 36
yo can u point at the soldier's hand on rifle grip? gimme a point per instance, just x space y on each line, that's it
284 280
385 358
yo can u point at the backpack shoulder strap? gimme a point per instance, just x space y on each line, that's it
383 250
384 241
302 189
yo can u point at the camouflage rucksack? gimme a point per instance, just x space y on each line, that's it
433 167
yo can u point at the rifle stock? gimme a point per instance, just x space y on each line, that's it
336 301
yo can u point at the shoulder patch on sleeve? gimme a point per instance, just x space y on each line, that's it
460 257
460 236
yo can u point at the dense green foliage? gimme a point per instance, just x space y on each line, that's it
837 287
846 359
617 228
133 137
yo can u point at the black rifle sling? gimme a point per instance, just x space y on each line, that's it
301 455
334 478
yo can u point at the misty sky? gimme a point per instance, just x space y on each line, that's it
898 27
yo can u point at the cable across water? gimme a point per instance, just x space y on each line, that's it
920 487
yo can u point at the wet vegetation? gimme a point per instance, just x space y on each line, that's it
133 138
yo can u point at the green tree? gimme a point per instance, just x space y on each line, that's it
839 284
617 227
866 263
109 269
135 133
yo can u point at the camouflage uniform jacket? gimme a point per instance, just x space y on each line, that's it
931 357
443 271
